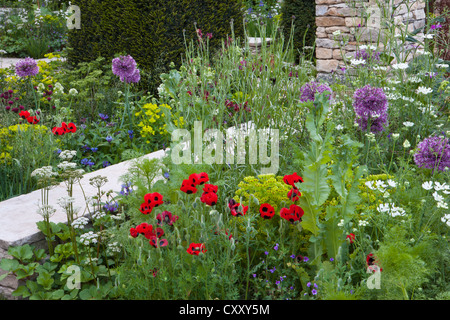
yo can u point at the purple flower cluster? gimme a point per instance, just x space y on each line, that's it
433 153
309 90
125 67
370 104
367 56
27 67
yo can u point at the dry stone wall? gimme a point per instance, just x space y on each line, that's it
344 24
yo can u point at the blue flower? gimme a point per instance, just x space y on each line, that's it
111 207
131 134
109 138
87 162
103 116
94 149
106 164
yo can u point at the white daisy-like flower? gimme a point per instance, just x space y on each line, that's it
438 186
446 219
424 90
414 79
442 204
408 124
400 66
391 183
406 144
428 185
441 65
437 197
356 62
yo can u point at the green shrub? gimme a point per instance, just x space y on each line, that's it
152 32
302 13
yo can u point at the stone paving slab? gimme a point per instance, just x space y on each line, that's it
18 215
8 62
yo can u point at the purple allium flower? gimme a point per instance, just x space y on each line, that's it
370 104
309 90
433 153
125 68
27 67
134 77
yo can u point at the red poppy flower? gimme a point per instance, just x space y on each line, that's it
65 127
58 131
294 194
236 211
203 178
153 199
144 228
159 232
133 232
188 186
24 114
210 188
293 214
292 179
266 211
372 263
154 272
351 237
166 217
145 208
210 198
33 120
71 127
155 242
196 248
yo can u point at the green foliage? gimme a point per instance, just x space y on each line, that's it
152 32
404 268
302 14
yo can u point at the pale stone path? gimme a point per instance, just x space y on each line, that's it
8 62
18 215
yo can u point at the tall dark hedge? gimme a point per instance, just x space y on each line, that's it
151 31
303 13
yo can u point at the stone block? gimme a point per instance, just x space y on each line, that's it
326 43
324 53
354 22
329 1
330 21
321 10
326 65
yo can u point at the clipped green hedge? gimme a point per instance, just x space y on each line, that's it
151 31
303 12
